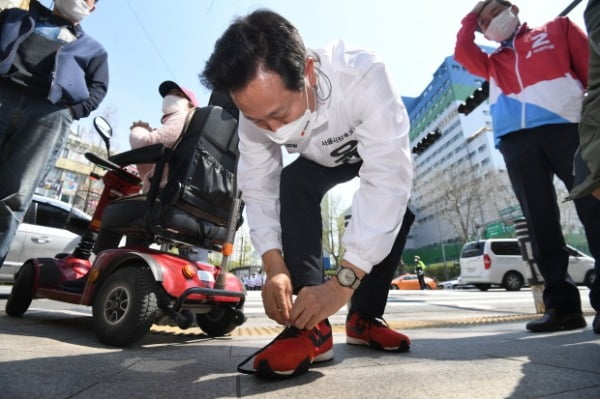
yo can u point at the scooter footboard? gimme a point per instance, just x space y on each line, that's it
212 295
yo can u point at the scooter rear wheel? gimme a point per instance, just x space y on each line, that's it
22 292
125 306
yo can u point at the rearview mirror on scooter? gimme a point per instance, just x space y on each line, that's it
105 130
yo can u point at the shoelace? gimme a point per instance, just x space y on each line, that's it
368 323
288 332
380 322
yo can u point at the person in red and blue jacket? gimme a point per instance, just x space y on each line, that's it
51 73
537 77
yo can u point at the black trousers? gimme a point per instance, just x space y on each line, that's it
421 277
533 157
303 185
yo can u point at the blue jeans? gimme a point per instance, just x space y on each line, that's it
33 133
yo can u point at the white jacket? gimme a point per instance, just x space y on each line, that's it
360 116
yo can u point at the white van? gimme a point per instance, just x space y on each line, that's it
498 262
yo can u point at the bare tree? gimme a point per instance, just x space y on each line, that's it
467 199
455 196
333 227
243 246
496 193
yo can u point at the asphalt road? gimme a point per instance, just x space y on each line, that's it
405 308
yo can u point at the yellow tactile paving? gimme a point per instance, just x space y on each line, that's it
339 328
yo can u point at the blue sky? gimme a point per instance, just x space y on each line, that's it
149 41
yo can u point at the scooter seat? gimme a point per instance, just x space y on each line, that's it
127 216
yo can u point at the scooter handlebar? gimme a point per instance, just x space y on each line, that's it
148 154
106 164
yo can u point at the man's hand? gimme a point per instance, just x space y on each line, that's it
316 303
277 290
596 193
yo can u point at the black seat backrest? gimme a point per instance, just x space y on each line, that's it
201 179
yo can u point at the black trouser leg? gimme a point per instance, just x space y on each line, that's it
107 240
370 297
421 277
588 210
533 157
302 187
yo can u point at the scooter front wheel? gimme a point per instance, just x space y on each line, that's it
125 306
22 292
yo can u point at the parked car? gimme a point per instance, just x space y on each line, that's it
454 285
49 227
411 282
498 262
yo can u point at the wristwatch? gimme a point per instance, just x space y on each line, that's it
347 278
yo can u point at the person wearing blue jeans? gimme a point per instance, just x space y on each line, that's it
51 73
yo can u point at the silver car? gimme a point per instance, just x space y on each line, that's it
44 233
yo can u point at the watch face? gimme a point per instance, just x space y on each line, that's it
346 276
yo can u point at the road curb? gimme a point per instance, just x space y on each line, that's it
259 331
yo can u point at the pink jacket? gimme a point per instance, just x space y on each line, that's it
167 134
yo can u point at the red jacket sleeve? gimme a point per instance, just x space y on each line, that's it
467 53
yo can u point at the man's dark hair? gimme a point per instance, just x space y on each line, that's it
261 40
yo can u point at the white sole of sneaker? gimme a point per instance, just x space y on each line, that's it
323 357
358 341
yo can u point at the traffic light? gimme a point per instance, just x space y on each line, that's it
479 95
426 141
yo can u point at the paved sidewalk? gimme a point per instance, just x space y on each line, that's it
55 355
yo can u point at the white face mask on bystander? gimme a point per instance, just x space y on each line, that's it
74 10
502 26
173 103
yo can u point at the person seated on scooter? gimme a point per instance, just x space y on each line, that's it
177 102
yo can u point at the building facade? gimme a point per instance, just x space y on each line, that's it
460 185
69 180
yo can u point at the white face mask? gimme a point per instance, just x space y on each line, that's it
74 10
502 26
173 104
295 132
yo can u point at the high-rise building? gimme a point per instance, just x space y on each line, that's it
460 186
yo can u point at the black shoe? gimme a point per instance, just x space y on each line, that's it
596 323
551 321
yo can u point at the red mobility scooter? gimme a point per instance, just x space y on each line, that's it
130 288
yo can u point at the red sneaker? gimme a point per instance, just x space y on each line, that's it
294 350
375 333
